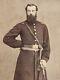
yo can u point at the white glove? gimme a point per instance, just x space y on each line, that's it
43 63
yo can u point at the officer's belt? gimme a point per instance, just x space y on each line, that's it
30 48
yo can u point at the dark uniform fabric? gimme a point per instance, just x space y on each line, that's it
26 67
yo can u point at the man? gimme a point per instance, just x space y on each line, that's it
34 45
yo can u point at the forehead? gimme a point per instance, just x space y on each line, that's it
31 8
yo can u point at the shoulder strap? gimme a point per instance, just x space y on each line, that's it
34 36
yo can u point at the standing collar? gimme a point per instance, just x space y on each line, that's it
31 23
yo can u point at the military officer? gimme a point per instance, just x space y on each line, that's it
34 45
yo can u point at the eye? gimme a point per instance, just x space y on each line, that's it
28 10
33 10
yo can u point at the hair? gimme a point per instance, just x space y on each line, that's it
31 5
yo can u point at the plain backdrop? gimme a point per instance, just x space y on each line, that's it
13 12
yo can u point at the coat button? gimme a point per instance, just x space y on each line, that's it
35 36
34 29
34 24
35 33
35 40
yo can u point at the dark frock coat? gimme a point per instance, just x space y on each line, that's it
26 67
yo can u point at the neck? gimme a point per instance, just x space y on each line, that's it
31 22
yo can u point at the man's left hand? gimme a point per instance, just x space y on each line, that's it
43 63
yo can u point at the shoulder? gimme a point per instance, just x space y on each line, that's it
44 26
22 23
19 25
41 23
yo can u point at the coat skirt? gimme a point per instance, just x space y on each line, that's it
26 67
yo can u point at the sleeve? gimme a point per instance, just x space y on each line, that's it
10 37
46 44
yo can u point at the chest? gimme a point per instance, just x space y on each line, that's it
37 31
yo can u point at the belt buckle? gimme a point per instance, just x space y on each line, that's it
35 47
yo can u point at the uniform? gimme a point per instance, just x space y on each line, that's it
26 67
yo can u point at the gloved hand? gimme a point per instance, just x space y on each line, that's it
43 63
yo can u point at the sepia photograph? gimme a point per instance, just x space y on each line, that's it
29 40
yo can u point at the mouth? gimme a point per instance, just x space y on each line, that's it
31 18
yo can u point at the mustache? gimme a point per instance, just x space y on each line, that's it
31 18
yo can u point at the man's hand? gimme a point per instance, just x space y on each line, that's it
43 63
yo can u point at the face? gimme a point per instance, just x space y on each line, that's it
31 13
31 10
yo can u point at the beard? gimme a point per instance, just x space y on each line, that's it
31 19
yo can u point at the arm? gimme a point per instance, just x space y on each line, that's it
46 45
10 37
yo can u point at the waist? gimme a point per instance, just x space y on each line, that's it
34 47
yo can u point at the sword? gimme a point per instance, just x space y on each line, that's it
39 65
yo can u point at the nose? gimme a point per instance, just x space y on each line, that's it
31 12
